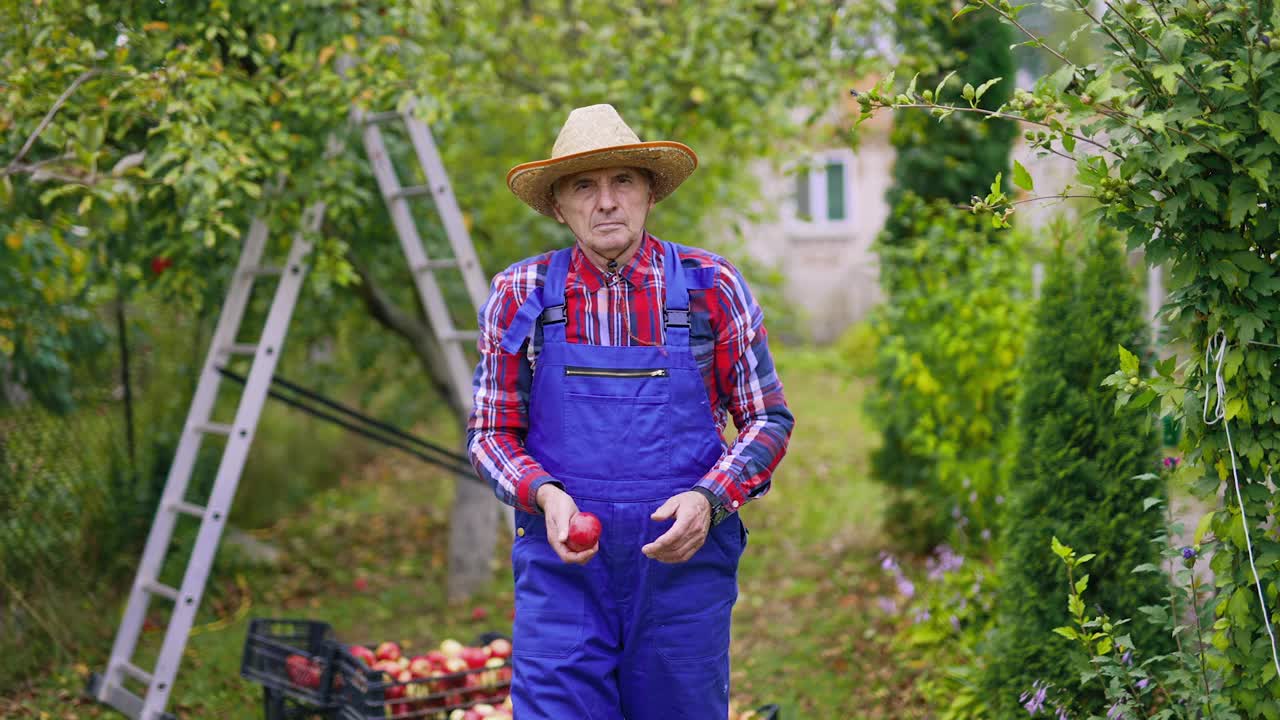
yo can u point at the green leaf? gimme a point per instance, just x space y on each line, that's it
1104 646
1022 178
1086 558
1061 78
1242 200
983 88
1167 74
1148 503
1128 362
1270 121
1059 549
911 89
1067 632
1082 584
1146 568
937 92
1203 526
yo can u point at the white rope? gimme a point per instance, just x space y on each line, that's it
1218 356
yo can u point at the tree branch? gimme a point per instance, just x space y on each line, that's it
48 118
418 335
995 114
1028 33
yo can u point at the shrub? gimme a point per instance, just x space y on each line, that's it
947 348
1082 473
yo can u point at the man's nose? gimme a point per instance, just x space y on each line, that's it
608 197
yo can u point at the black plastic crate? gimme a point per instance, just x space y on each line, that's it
768 712
293 661
369 694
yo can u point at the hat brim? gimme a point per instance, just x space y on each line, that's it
670 162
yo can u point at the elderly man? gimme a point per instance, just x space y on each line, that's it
608 371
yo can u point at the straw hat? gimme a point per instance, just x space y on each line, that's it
596 137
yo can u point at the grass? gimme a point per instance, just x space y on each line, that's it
361 557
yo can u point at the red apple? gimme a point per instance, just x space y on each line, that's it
479 614
160 264
363 654
388 651
500 648
420 666
437 659
584 531
302 671
474 657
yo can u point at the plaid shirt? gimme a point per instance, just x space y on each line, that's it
727 337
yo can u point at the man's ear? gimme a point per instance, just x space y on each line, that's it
555 208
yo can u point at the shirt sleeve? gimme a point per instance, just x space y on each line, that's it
500 411
746 379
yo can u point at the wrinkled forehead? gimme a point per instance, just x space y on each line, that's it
600 173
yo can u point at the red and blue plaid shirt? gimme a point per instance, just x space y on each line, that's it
727 337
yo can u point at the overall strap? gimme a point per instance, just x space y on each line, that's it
676 313
553 312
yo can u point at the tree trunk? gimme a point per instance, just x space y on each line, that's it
473 526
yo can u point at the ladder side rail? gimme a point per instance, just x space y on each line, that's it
428 153
429 291
161 533
473 277
233 460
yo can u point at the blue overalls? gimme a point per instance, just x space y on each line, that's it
624 429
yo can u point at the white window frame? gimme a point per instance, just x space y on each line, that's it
817 172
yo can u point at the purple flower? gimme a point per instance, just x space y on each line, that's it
955 623
1127 658
1171 463
985 534
999 499
1061 714
1033 699
887 605
1188 553
1115 712
1143 683
922 616
888 563
906 588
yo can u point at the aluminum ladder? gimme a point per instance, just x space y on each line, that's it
109 687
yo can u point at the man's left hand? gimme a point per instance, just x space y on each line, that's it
692 512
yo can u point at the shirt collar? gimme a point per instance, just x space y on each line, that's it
634 272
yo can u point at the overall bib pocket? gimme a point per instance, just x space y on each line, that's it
615 422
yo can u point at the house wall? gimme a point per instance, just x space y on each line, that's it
830 271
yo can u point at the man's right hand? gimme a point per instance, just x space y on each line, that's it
558 508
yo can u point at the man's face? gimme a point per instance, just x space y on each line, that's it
605 209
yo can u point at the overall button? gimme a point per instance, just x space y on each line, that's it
520 532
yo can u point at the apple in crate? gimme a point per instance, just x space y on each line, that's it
500 648
420 666
363 654
388 651
302 671
474 657
451 648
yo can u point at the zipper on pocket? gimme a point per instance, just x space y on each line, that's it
615 372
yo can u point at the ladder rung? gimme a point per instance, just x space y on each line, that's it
448 263
458 335
136 672
263 270
214 428
381 117
241 348
412 191
164 591
189 508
